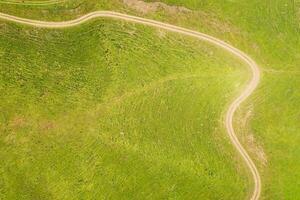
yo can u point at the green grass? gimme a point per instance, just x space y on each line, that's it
110 110
275 125
269 32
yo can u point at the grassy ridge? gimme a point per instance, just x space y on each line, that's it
114 110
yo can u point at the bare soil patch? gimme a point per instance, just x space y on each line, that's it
17 122
46 125
148 7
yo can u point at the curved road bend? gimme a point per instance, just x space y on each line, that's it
241 55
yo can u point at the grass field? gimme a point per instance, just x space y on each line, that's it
152 104
115 110
269 32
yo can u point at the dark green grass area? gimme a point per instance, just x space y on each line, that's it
111 110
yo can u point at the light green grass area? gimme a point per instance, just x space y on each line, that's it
269 32
274 123
110 110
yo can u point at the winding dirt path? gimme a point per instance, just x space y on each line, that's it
32 3
241 55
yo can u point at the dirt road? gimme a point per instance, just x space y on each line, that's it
233 106
32 3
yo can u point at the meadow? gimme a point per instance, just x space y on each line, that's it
112 110
268 123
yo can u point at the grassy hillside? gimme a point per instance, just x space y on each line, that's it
269 123
269 32
111 110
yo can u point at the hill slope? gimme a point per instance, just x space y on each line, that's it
269 122
267 31
120 110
